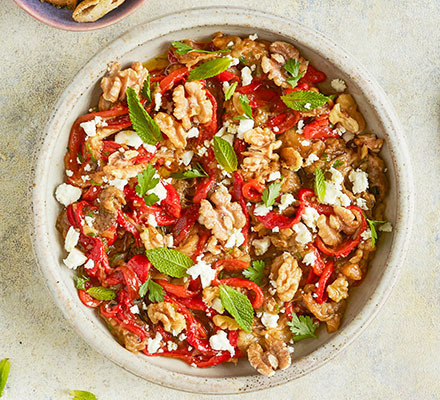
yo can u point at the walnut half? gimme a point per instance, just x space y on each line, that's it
276 357
164 312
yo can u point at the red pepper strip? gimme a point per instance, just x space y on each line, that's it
143 156
252 87
127 225
319 129
132 282
140 265
170 80
312 75
306 196
176 290
345 248
200 362
237 195
171 203
131 326
253 190
226 76
109 313
88 300
231 265
319 265
272 220
239 147
188 218
120 122
92 193
194 304
321 294
289 310
289 121
244 283
108 146
203 238
202 189
298 88
311 277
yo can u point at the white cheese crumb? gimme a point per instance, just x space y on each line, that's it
87 168
129 138
234 61
217 305
71 239
333 191
193 133
154 344
118 183
69 173
303 235
159 190
90 126
187 157
269 320
231 43
67 194
220 341
150 148
348 136
309 259
386 227
236 239
246 76
366 234
182 337
276 129
276 229
253 37
359 179
261 210
157 101
202 270
244 126
306 142
261 245
90 264
307 106
310 217
151 220
172 345
311 159
300 126
229 139
89 221
338 84
134 309
361 203
274 176
286 200
75 259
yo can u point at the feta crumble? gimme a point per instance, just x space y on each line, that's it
309 259
75 258
118 183
129 138
154 344
261 245
274 176
307 106
244 126
359 179
90 126
303 235
134 309
361 203
310 217
269 320
217 305
300 126
187 157
71 239
310 159
236 239
90 264
386 227
203 270
157 101
365 235
286 200
67 194
69 173
253 37
193 133
246 76
261 210
220 342
338 84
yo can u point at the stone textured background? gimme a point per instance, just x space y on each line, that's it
398 356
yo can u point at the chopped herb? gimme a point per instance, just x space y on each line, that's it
230 90
243 60
324 156
238 305
292 67
146 182
155 291
95 183
270 194
255 272
183 48
146 90
209 69
320 185
80 281
80 157
225 154
372 224
244 101
101 293
302 327
196 172
337 164
304 100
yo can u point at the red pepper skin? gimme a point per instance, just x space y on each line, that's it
171 204
140 265
244 283
239 147
203 188
231 264
203 238
194 304
312 75
253 190
319 129
319 265
284 122
347 247
252 87
127 225
92 193
170 80
321 294
188 218
176 290
227 76
237 195
306 196
273 220
88 300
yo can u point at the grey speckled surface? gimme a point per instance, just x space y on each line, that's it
399 354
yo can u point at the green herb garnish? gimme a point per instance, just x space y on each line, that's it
209 69
304 100
196 172
320 185
170 262
155 291
230 90
271 193
101 293
292 67
225 154
146 182
146 90
255 272
80 281
302 327
244 101
372 224
337 164
183 48
238 305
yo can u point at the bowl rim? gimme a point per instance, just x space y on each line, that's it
80 26
323 46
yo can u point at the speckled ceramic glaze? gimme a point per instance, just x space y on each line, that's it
146 41
61 18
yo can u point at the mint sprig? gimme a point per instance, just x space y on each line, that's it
145 126
292 67
304 100
238 305
196 172
146 90
101 293
170 262
247 110
5 366
255 272
225 154
302 328
146 182
82 395
209 69
320 185
271 193
155 291
183 48
230 90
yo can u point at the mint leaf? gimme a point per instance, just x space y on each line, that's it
155 291
230 90
244 101
146 182
80 281
209 69
304 100
101 293
145 126
302 327
225 154
238 305
372 224
255 272
183 48
146 90
337 164
170 262
5 366
197 172
270 195
292 67
82 395
320 186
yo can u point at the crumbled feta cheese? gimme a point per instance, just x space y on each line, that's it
75 259
159 190
157 101
303 235
202 270
87 168
246 76
359 179
338 84
193 133
309 259
151 220
386 227
229 139
71 239
333 190
172 345
129 138
234 61
202 151
217 305
261 210
286 200
269 320
182 337
150 148
310 217
134 309
276 129
361 203
310 159
300 126
261 245
366 234
253 37
154 344
90 126
90 264
187 157
220 341
306 142
236 239
276 229
231 43
85 178
118 183
274 176
89 221
69 173
244 126
67 194
307 106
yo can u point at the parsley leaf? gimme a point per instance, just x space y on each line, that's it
82 395
146 90
372 224
80 281
230 90
337 164
145 126
292 67
255 272
238 305
101 293
197 172
270 195
209 69
5 366
302 327
155 291
304 100
183 48
244 101
320 186
146 182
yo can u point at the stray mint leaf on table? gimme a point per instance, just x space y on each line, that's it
82 395
5 366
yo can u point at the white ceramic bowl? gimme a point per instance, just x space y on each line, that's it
144 42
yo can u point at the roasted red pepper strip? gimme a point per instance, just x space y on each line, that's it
127 225
321 294
237 195
140 265
253 190
176 290
88 300
188 218
273 220
231 264
319 265
244 283
203 238
308 197
284 122
319 129
170 80
226 76
171 203
203 188
252 87
347 247
92 193
312 75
